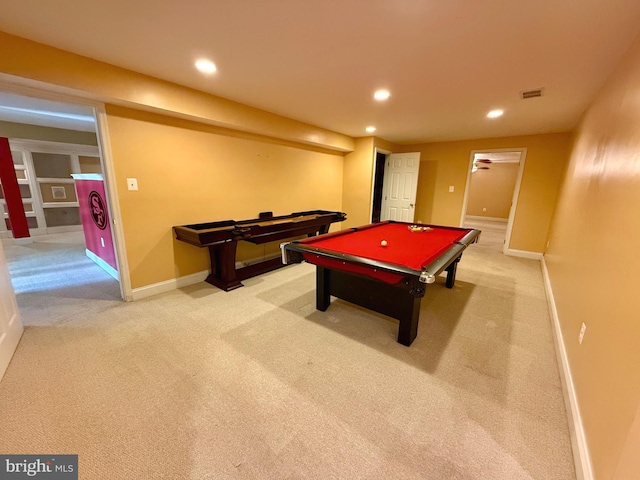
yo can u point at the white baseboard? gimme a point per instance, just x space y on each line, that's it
23 241
480 218
168 285
102 264
581 457
524 254
63 229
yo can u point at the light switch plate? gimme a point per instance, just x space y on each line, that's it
132 183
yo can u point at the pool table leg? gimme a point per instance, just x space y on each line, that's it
451 273
323 288
408 327
389 300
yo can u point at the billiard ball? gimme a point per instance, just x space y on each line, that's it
383 243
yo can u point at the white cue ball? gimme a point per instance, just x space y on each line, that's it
383 243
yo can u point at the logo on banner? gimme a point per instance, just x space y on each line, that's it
52 467
98 210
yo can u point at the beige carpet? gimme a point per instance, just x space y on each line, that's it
256 384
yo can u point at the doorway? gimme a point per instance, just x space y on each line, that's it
55 262
378 184
491 195
395 185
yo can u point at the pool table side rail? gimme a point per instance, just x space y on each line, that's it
431 271
292 252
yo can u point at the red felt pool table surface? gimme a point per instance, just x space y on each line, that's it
405 248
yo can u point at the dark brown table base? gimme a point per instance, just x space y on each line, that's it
222 239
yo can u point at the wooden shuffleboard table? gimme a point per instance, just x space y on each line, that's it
222 237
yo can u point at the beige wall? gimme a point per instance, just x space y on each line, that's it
446 164
197 157
69 73
627 467
35 132
357 184
491 190
189 172
593 266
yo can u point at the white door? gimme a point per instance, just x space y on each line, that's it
400 187
10 323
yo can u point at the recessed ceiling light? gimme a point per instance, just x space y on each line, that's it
371 129
206 66
381 95
495 113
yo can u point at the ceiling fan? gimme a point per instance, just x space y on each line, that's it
483 164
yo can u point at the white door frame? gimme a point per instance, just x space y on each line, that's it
516 190
23 86
376 151
10 323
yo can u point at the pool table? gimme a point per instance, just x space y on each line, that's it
383 266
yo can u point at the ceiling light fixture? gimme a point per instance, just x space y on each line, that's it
71 116
206 66
495 113
381 95
371 129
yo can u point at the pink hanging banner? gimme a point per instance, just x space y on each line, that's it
95 217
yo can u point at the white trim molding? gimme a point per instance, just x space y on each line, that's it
102 264
113 204
581 456
516 191
478 218
168 285
524 254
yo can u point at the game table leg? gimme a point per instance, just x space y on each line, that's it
323 290
408 326
223 266
396 302
451 273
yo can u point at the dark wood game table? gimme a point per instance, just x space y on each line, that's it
222 237
383 266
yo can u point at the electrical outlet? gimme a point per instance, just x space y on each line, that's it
484 209
451 188
583 329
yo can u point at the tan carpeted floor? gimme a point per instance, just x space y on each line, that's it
256 384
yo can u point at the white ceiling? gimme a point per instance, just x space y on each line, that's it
446 62
46 113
